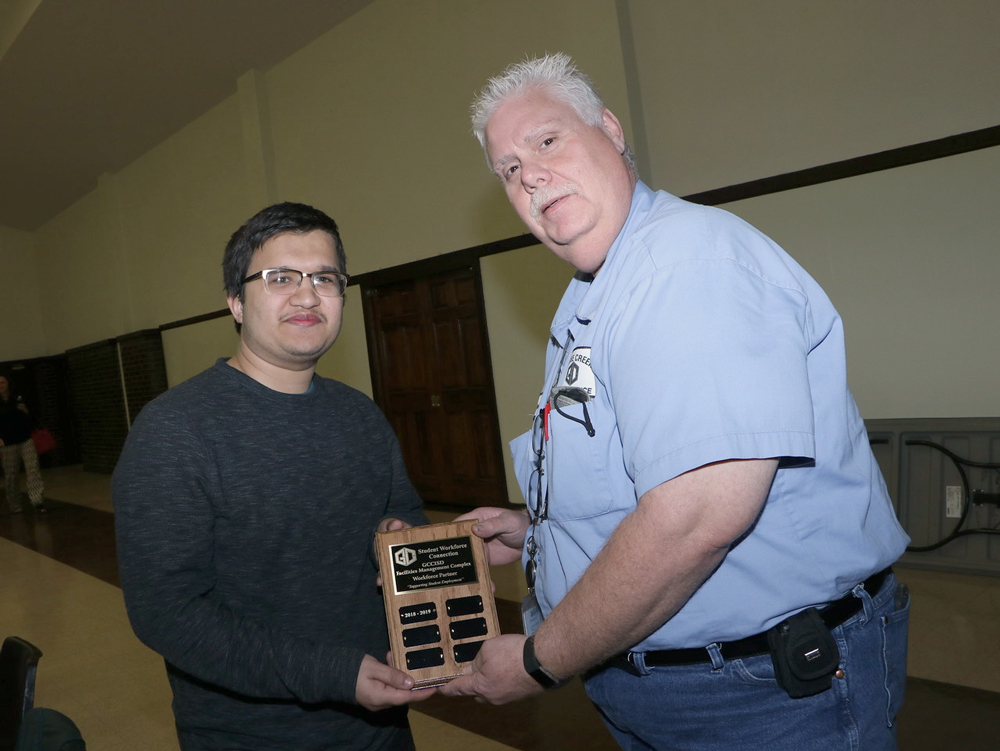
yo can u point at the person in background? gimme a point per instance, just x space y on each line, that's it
17 448
708 535
246 500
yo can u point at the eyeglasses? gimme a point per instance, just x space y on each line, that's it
537 490
560 397
565 396
285 281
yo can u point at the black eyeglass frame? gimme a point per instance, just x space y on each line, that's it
344 279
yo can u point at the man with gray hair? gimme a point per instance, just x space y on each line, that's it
708 538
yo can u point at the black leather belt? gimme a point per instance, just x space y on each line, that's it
832 615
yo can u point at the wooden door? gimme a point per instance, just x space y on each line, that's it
432 377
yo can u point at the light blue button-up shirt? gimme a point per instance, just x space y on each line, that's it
700 340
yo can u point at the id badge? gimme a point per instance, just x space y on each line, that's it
531 614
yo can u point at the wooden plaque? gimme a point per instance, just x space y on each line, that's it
438 599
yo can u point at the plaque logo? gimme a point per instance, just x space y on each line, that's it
406 557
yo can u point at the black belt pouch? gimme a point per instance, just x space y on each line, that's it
804 653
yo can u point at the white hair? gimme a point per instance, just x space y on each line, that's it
555 73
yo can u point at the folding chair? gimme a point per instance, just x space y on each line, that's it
18 663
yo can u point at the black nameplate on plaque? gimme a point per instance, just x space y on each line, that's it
464 606
424 658
415 637
467 629
467 651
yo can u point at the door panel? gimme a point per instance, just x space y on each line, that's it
432 377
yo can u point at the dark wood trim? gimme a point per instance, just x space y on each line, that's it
91 345
137 334
862 165
467 257
195 319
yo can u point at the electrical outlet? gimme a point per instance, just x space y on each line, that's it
953 501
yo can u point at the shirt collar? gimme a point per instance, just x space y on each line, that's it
642 199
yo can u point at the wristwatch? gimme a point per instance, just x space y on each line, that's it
534 668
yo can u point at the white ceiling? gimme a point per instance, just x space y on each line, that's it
87 86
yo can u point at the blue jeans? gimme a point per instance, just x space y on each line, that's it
728 706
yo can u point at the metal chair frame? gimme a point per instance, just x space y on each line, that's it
18 665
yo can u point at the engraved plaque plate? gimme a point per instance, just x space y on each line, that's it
438 599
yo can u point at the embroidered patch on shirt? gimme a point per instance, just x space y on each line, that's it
578 373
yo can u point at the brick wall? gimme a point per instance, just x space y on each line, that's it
110 382
98 403
143 368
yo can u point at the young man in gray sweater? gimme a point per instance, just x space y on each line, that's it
246 499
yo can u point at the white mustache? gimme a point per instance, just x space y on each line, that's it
549 193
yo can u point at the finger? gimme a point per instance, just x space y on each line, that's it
422 693
397 679
391 524
461 686
381 673
498 525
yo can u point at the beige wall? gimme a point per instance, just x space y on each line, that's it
370 123
190 349
371 120
522 289
178 205
734 91
913 271
21 334
86 299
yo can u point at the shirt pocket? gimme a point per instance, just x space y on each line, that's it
580 465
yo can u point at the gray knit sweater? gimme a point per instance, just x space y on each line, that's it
244 524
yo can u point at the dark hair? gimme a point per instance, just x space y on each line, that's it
279 219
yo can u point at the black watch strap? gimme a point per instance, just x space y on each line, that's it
534 668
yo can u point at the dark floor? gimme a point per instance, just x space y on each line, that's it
935 716
944 717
